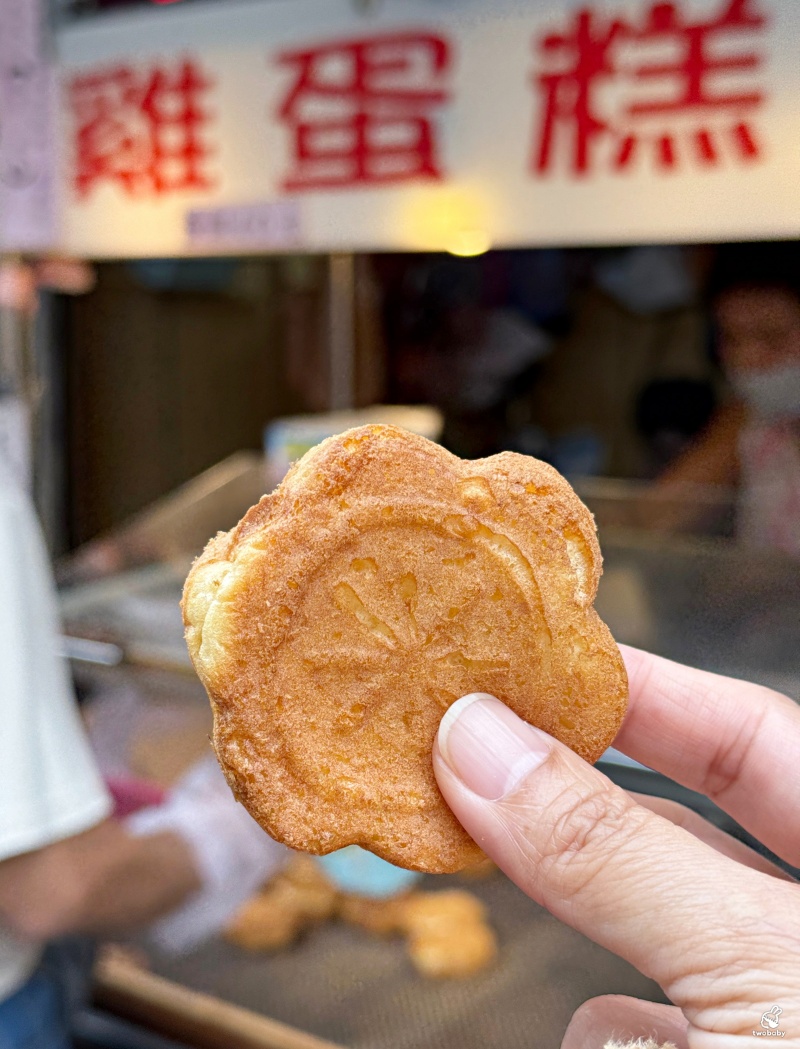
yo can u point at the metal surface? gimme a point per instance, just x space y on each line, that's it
138 612
342 984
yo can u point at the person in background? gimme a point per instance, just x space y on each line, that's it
752 443
670 415
67 866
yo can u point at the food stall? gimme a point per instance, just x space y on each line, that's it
696 598
297 127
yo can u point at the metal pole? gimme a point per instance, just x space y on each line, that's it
341 331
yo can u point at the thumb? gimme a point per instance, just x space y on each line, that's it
581 847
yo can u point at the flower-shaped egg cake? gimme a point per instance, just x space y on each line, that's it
382 580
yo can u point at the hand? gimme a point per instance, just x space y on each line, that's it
232 854
714 924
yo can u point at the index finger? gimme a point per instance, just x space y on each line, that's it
737 743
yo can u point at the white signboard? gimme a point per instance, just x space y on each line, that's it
27 146
430 124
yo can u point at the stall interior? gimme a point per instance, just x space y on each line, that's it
601 362
180 376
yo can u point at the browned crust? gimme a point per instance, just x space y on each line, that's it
249 610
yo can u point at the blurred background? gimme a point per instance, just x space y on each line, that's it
230 229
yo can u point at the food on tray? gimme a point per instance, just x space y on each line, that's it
294 899
381 917
382 580
432 912
447 933
459 953
264 924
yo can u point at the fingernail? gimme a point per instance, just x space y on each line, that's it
488 747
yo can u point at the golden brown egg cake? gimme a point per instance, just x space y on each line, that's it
382 580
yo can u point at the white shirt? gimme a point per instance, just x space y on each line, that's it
49 785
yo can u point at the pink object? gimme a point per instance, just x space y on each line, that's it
130 795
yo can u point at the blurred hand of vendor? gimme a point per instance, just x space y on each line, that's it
753 443
65 865
714 923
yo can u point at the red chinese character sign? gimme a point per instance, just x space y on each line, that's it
428 126
670 73
364 111
142 129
